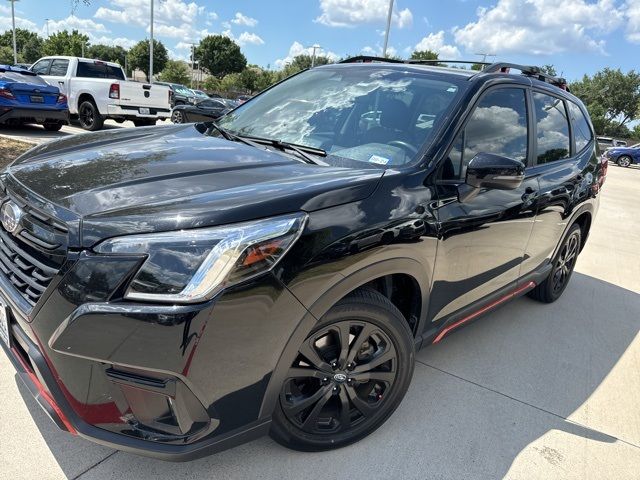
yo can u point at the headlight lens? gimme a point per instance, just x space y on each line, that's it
193 265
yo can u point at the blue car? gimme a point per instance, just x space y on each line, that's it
27 98
624 156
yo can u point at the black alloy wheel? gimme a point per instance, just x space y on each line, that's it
624 161
555 284
348 376
89 116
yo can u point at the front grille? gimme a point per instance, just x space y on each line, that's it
32 255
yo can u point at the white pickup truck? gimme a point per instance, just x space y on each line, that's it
99 90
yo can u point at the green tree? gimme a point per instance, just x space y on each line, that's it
635 133
139 56
549 69
6 55
176 71
65 43
220 55
28 44
107 53
424 55
211 84
612 98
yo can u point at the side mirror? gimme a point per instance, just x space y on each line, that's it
487 170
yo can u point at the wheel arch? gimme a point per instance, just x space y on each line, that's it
390 275
85 96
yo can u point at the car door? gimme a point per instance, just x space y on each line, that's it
482 239
206 110
564 167
57 75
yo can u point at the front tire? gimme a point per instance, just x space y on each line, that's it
554 285
89 116
349 376
177 117
624 161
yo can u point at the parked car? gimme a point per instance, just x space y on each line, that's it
27 98
624 156
181 94
608 142
98 91
176 291
203 111
199 95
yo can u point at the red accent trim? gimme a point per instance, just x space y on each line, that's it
509 296
44 394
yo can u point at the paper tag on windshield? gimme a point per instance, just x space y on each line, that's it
378 159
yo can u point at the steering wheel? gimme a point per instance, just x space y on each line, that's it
407 146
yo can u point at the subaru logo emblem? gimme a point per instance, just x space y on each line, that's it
340 377
10 215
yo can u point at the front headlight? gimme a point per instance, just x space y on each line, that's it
193 265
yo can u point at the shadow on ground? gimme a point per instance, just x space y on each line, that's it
477 401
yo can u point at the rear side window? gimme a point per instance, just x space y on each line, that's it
59 67
41 67
552 140
581 129
498 125
99 70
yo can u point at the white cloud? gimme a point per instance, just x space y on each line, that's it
5 20
114 42
435 42
633 20
540 27
348 13
212 16
83 25
246 38
241 19
169 12
298 49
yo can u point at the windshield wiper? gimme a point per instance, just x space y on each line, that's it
301 150
232 137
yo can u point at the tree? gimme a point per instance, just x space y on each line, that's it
6 55
635 133
612 98
139 56
477 66
176 71
549 69
65 43
107 53
220 55
424 55
28 44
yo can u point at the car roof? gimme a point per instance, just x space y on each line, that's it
80 59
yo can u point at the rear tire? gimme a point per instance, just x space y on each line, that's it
554 285
177 117
52 127
337 392
624 161
89 116
144 122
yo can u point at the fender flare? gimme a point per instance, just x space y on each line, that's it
400 265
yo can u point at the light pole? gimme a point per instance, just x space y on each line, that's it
47 20
313 55
386 34
151 47
13 21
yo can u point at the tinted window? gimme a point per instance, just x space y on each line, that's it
59 67
498 125
552 141
41 67
99 70
581 129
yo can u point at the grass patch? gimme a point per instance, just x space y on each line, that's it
11 149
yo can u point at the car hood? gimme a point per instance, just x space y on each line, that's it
171 178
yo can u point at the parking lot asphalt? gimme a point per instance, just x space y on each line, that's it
530 391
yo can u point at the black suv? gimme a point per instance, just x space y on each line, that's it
174 291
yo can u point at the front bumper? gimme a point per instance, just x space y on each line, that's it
33 115
170 382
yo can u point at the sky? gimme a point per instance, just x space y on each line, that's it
577 36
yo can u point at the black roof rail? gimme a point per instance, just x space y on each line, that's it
529 71
411 61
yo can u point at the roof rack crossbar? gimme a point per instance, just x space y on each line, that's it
367 58
529 71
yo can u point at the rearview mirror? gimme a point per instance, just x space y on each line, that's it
487 170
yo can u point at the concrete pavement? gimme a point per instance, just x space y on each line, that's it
530 391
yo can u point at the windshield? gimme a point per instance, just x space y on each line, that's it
375 115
